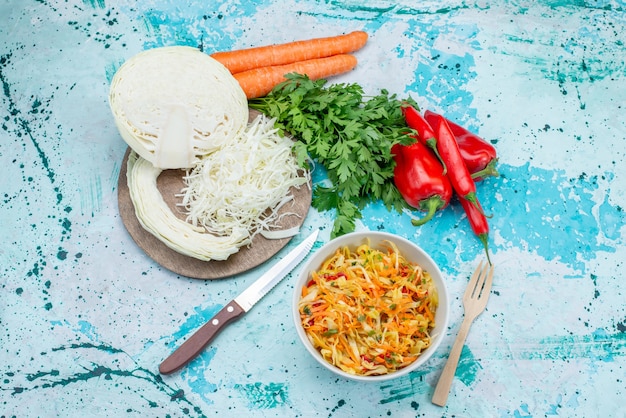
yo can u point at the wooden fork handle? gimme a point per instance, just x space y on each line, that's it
440 396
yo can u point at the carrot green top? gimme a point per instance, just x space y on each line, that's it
369 312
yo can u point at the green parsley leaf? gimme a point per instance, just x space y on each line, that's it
351 136
330 332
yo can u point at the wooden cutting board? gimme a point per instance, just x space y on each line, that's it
170 183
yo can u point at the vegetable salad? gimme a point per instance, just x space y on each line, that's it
369 312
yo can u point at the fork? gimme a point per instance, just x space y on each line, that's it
474 302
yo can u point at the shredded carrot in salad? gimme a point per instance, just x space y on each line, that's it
369 312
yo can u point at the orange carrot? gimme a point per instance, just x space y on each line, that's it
281 54
346 347
260 81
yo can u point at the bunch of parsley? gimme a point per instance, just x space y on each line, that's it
349 135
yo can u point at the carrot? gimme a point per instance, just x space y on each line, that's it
346 347
260 81
288 53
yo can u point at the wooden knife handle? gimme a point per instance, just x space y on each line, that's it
196 343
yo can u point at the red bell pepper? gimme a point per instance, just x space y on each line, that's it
419 177
479 155
425 133
460 177
478 223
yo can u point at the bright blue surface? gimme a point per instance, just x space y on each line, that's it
87 316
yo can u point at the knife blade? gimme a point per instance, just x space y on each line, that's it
237 307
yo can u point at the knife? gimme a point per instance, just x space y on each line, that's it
237 307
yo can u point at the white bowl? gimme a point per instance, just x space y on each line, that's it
412 253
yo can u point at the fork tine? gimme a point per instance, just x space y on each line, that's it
480 288
489 281
469 291
483 291
483 285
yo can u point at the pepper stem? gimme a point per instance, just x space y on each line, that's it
432 144
471 197
490 170
431 206
483 238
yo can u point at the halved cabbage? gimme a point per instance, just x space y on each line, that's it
173 104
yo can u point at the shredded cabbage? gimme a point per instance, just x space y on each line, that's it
244 184
369 312
156 217
230 195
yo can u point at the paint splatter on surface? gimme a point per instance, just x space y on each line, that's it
87 317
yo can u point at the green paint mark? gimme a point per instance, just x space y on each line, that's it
431 11
22 122
48 379
405 387
67 225
42 155
262 396
34 376
95 3
600 345
468 367
340 404
111 69
414 384
362 8
101 347
97 371
565 3
397 393
19 291
103 37
62 254
48 306
6 87
35 107
178 395
34 271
